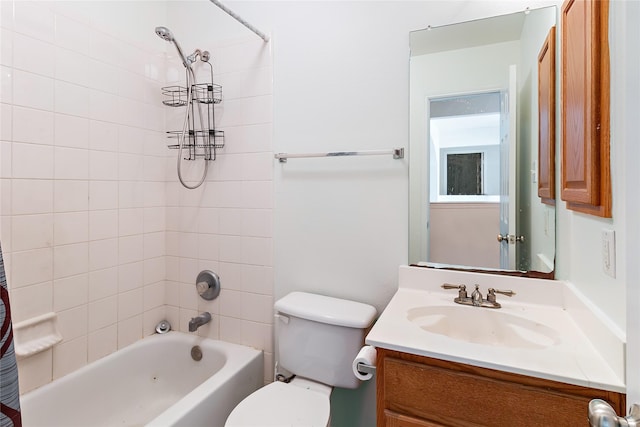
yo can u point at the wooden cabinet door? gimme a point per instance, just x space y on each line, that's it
417 391
547 119
585 107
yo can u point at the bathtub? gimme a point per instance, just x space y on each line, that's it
153 382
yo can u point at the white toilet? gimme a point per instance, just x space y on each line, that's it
317 338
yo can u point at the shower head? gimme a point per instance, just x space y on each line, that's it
165 34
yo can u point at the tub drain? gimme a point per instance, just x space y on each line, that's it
196 353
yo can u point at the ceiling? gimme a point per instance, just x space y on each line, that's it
493 30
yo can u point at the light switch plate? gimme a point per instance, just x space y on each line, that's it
609 252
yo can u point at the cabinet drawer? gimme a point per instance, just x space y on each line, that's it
393 419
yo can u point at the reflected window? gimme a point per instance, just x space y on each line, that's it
464 174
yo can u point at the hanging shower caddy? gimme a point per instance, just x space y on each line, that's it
205 140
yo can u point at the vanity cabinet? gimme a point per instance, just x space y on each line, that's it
417 391
586 182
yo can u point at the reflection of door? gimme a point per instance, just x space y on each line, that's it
508 173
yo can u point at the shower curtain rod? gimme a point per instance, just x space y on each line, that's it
238 18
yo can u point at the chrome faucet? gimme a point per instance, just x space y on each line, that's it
476 298
199 320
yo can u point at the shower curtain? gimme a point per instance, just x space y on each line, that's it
9 393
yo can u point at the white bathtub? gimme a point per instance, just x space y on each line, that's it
153 382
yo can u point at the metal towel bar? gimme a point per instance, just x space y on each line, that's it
398 153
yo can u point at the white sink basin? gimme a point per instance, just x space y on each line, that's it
483 326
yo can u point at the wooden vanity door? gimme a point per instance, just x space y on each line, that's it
417 391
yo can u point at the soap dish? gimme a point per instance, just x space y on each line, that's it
35 335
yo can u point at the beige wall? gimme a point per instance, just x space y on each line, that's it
465 234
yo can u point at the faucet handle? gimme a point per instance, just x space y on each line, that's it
497 291
462 289
491 296
450 286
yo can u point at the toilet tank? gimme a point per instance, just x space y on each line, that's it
318 337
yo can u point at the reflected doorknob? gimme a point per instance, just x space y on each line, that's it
510 238
601 414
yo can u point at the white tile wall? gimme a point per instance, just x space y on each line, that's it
33 90
34 126
42 63
6 42
226 225
70 292
93 222
69 196
102 342
103 283
32 232
79 225
31 301
69 356
71 131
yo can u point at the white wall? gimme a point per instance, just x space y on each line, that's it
82 175
579 256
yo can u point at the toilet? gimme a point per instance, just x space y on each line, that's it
317 337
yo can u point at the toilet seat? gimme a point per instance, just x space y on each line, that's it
299 403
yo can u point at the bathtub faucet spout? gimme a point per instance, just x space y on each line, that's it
199 320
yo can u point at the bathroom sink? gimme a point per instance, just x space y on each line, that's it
483 326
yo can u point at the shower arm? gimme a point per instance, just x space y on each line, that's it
204 56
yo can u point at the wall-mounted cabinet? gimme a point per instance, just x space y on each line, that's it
547 119
586 182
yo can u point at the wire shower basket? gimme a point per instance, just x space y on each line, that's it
206 139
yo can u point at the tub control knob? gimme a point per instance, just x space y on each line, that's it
202 287
208 285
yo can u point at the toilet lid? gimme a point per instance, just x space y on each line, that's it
280 404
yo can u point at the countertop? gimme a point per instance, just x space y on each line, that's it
573 358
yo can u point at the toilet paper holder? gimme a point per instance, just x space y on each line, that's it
364 364
365 368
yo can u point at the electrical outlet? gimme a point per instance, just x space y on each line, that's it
609 252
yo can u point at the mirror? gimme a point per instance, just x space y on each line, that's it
473 198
